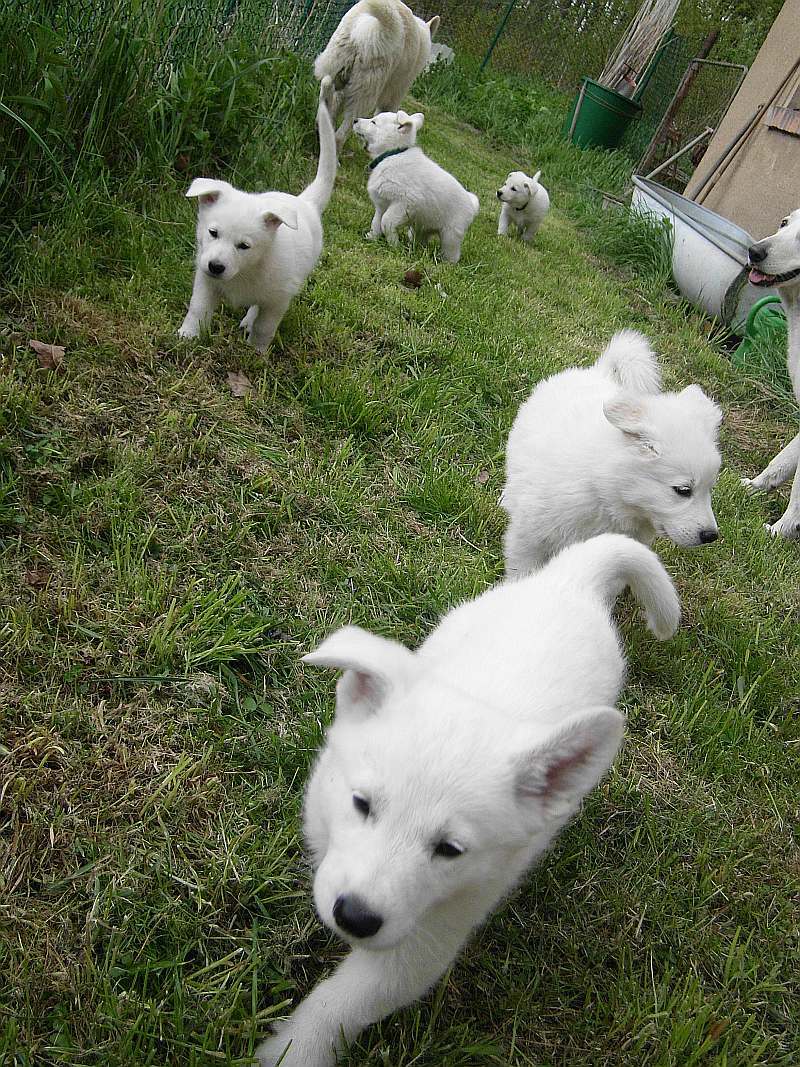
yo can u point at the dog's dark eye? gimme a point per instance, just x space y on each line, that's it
784 223
374 123
513 188
361 804
448 850
243 245
682 490
213 233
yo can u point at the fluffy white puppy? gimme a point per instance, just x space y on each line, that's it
601 449
775 262
448 771
525 204
373 57
409 189
256 250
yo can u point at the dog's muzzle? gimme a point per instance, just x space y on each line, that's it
215 268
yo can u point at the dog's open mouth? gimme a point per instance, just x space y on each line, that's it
758 277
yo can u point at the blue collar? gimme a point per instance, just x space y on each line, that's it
385 155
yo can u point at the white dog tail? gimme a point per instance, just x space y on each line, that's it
362 34
631 363
610 562
319 192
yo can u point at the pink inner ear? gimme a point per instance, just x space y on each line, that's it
558 773
554 777
363 687
209 198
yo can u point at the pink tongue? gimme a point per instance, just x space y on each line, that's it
756 276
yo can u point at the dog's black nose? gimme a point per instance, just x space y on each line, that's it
707 536
757 253
354 917
499 193
216 268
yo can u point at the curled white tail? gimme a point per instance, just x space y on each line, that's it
609 563
631 363
319 192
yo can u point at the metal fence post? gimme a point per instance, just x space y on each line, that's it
498 34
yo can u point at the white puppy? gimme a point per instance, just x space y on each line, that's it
602 449
448 771
775 262
373 57
409 189
256 250
525 204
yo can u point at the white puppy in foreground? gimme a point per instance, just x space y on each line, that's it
601 449
256 250
409 189
448 771
775 261
373 57
525 204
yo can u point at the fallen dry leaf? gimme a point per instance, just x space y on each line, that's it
482 477
36 577
412 279
50 357
239 382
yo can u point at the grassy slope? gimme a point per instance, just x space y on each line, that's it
156 901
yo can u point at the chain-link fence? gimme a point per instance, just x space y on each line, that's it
185 25
557 42
562 41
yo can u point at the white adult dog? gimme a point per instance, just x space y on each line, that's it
449 770
601 449
409 189
525 203
373 57
775 262
256 250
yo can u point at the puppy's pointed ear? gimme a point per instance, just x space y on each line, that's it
208 190
418 120
552 778
433 24
283 214
536 177
627 413
707 410
373 666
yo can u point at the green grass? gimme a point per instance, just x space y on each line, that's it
168 552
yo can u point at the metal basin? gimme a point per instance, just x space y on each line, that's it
709 255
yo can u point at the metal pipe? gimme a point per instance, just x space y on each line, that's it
680 152
498 34
577 110
733 146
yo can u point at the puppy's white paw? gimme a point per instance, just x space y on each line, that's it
189 329
247 322
370 236
751 486
788 526
277 1050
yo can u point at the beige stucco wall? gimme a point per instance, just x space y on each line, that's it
762 184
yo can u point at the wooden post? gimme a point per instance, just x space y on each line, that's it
677 100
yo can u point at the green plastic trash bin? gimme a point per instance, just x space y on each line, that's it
603 118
